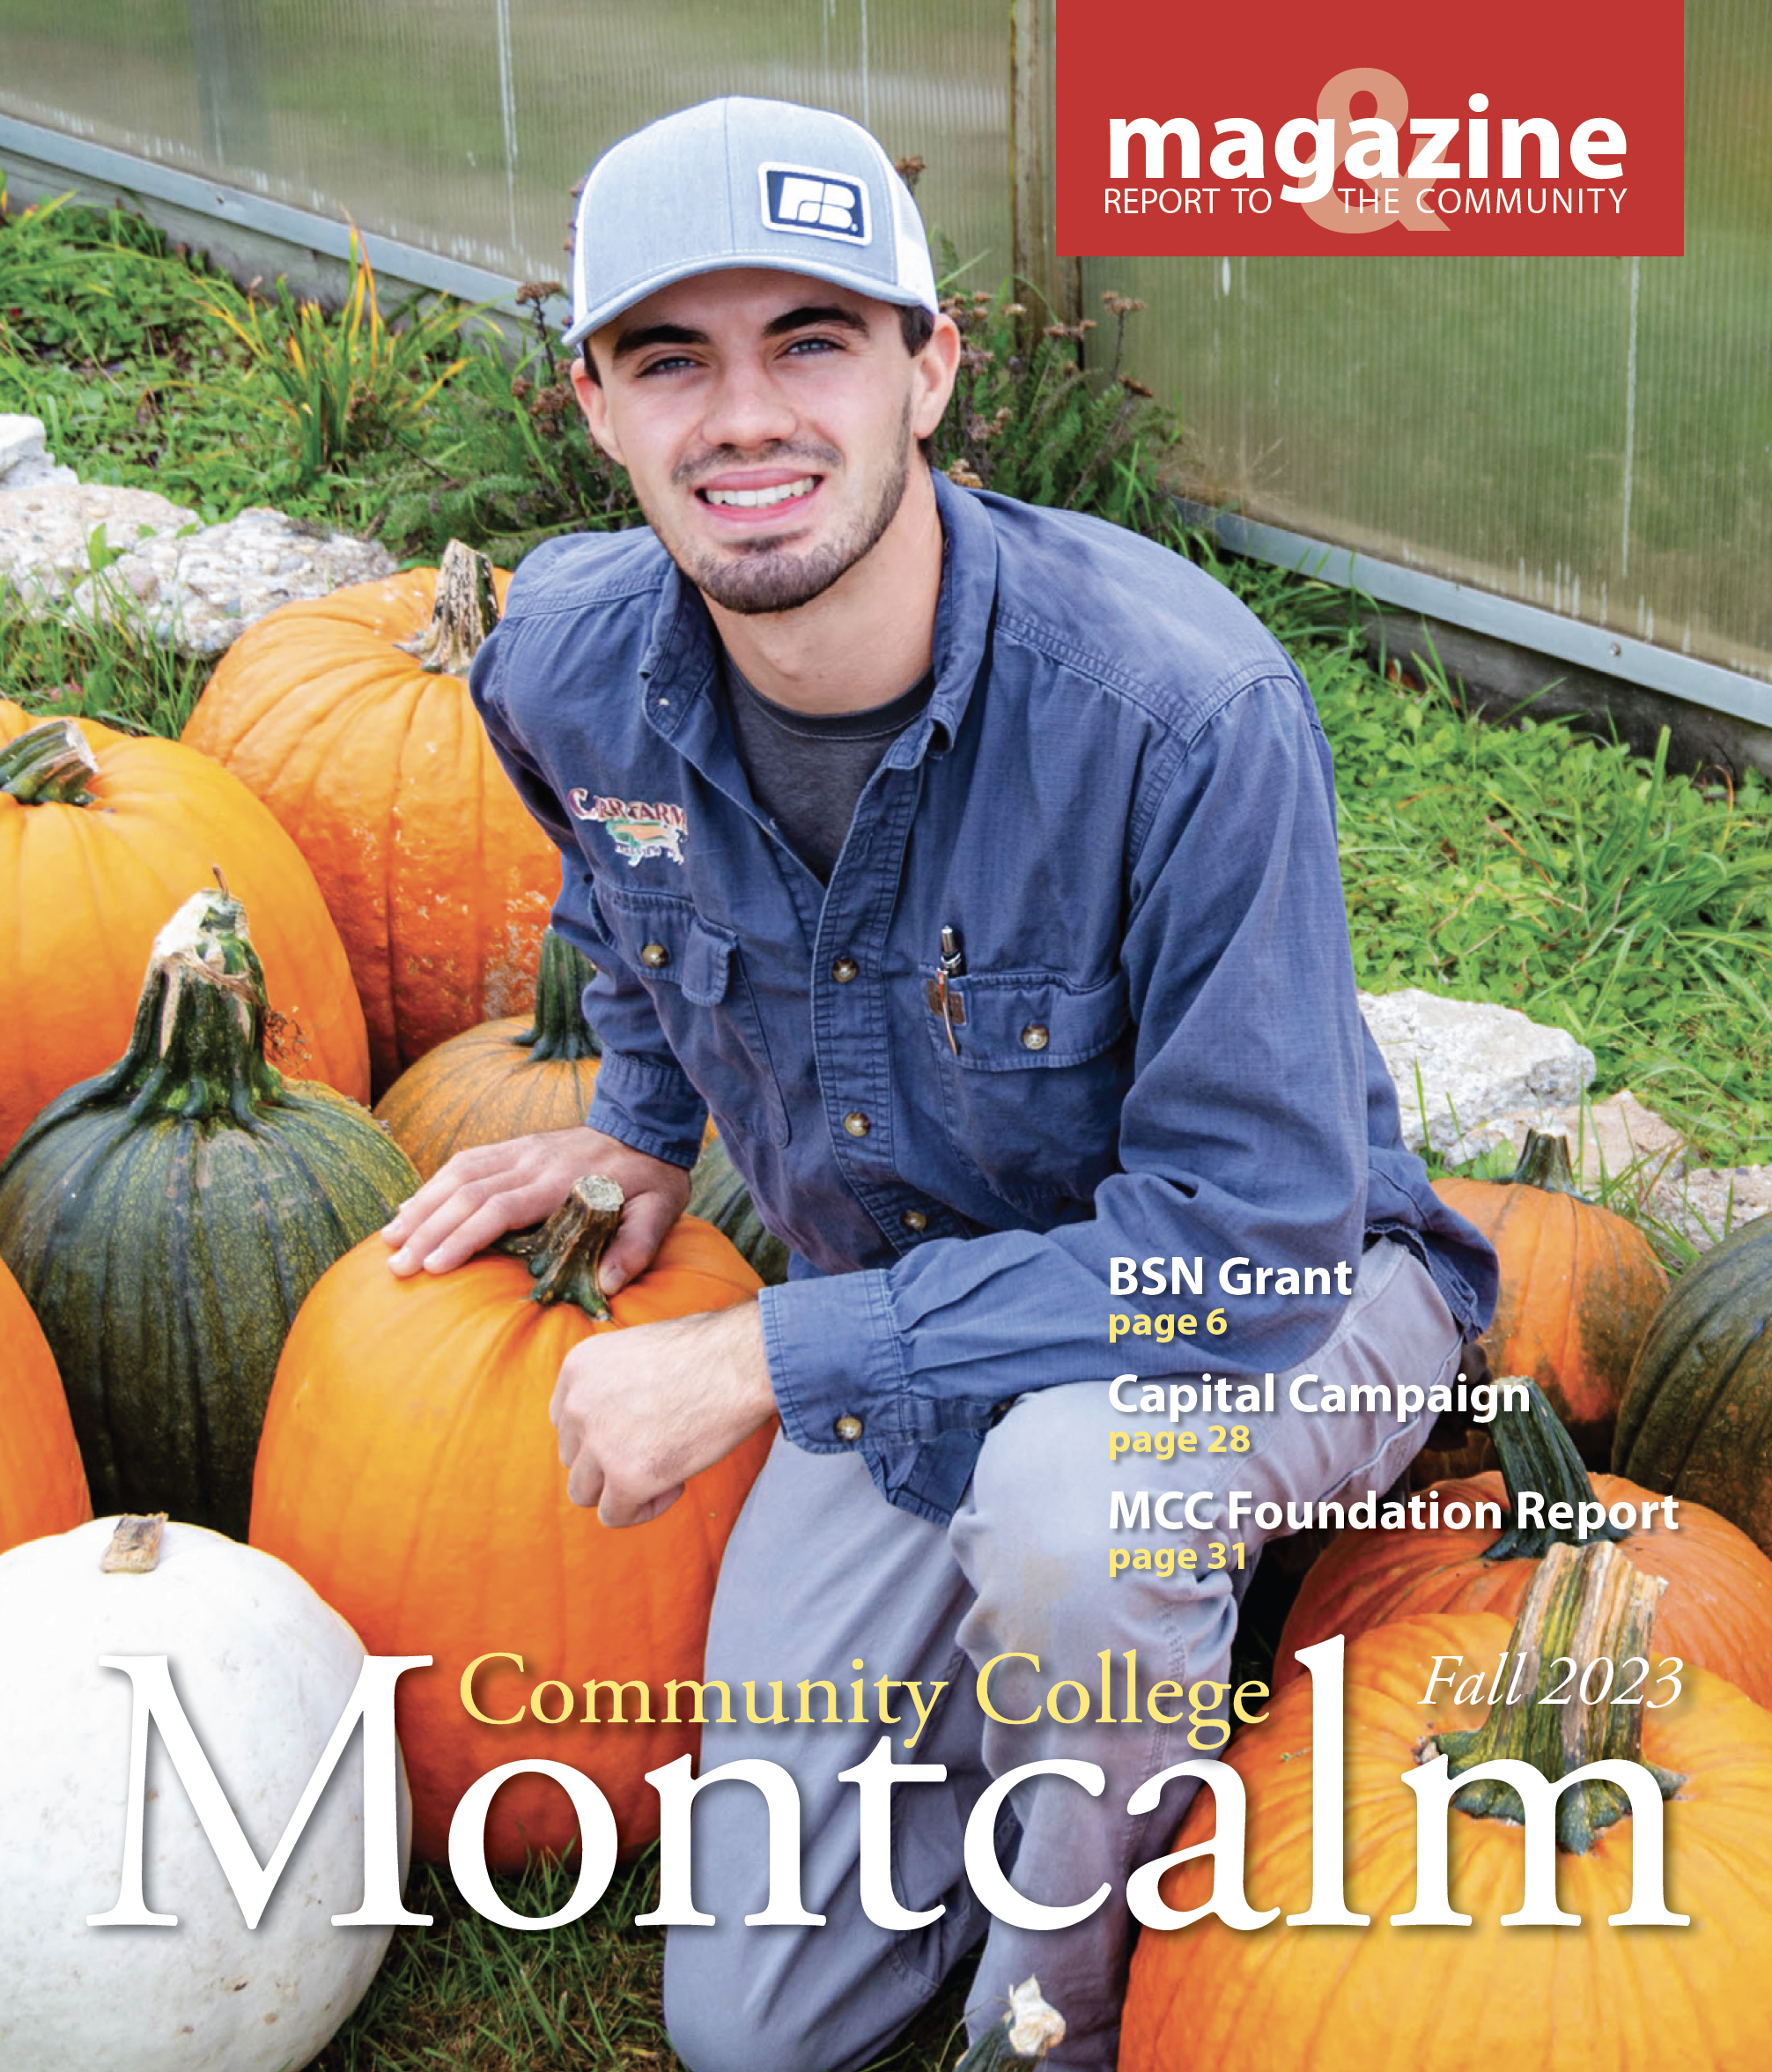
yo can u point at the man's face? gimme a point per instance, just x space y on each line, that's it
767 422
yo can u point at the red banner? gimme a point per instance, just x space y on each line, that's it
1515 128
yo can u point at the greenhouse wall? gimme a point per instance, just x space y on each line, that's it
1589 436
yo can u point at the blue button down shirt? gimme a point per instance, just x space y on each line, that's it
1120 801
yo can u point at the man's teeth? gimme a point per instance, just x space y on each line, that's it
754 500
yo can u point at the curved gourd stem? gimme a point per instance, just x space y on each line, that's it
563 1253
1581 1608
561 1034
466 610
48 765
197 1051
1537 1453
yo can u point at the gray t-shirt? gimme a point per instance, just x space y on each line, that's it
806 770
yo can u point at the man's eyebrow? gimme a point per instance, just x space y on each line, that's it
641 335
815 313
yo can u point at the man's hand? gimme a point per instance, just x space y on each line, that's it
639 1411
484 1192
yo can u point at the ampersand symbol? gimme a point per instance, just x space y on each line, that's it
1335 103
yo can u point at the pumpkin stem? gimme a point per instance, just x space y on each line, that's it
561 1034
1584 1608
466 610
135 1546
1544 1163
48 765
563 1253
196 1052
1537 1453
1032 2028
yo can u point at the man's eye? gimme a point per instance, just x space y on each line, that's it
669 365
805 346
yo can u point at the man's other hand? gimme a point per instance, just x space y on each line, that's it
639 1411
483 1193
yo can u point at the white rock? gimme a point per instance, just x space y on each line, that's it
45 533
1467 1072
21 439
1708 1202
200 592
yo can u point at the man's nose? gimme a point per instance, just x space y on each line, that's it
747 407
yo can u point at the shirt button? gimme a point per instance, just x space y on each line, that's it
848 1428
844 970
654 955
856 1123
914 1220
1036 1036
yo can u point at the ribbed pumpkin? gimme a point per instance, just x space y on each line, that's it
1384 1998
1696 1418
410 1473
42 1484
350 717
1717 1613
264 1670
101 836
502 1079
165 1218
1579 1286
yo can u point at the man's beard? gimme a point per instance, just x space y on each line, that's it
769 577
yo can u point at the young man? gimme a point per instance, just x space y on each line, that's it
975 864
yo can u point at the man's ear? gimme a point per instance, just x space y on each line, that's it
937 365
594 405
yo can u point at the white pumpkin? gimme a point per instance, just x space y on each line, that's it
263 1670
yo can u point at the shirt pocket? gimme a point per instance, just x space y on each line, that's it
1033 1086
694 971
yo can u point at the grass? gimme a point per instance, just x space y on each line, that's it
471 1994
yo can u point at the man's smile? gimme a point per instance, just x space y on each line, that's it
758 499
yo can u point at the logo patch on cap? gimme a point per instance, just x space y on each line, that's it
815 204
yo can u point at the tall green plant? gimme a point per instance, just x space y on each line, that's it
351 382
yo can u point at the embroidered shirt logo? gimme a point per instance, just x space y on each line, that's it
813 203
639 828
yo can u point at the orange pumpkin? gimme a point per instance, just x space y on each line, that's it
1579 1287
410 1472
501 1079
1717 1613
42 1484
371 756
1384 1998
101 836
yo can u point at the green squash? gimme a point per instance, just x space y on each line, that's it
1695 1421
165 1218
720 1197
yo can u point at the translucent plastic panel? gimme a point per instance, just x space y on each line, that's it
460 125
1591 435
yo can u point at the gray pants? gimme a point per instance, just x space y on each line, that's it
821 1570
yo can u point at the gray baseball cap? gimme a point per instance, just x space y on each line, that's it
740 182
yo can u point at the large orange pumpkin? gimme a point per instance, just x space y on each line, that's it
42 1484
375 761
1717 1613
1384 1998
102 835
410 1472
1579 1287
